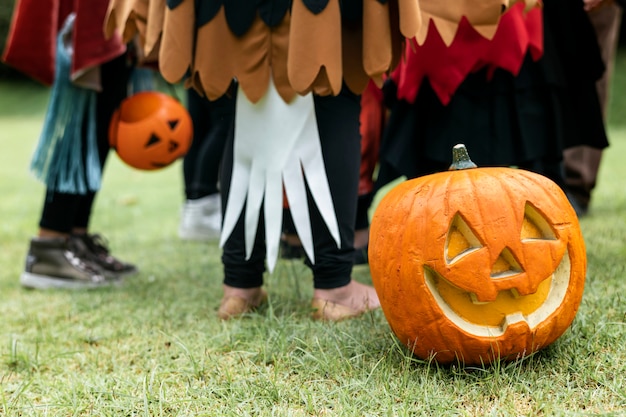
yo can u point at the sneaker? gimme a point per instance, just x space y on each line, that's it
55 263
201 219
94 247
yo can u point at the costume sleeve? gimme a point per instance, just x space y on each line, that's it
91 47
31 44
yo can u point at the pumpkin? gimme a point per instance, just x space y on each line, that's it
475 265
150 130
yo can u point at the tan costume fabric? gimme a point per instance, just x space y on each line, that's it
253 58
177 38
131 17
483 15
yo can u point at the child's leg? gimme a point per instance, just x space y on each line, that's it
336 296
242 278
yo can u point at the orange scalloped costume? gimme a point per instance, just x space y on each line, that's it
312 47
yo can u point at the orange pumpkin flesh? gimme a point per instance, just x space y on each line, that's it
477 264
150 130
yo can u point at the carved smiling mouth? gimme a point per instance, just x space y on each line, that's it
490 319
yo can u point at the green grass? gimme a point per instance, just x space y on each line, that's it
154 347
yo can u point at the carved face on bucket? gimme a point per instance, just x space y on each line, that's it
150 130
477 264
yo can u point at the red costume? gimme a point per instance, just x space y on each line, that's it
31 46
446 66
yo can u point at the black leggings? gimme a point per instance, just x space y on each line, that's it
338 124
212 121
64 211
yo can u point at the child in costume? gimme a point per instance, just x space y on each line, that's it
518 99
61 42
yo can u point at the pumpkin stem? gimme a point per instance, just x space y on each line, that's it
460 158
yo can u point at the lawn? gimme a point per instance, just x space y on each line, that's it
154 347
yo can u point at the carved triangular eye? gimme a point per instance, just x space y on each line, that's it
460 240
154 139
173 123
535 225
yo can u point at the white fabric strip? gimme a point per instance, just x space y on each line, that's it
277 144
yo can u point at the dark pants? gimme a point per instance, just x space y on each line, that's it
212 121
583 162
338 124
64 211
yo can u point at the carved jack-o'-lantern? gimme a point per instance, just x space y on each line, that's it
477 264
150 130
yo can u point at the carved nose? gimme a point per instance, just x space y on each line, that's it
505 265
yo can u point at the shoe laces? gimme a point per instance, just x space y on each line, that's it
77 254
99 246
97 243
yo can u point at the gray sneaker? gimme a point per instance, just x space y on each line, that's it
56 263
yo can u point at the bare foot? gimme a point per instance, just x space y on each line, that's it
238 301
252 295
344 302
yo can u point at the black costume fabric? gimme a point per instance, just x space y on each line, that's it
64 211
240 14
525 120
337 119
212 121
